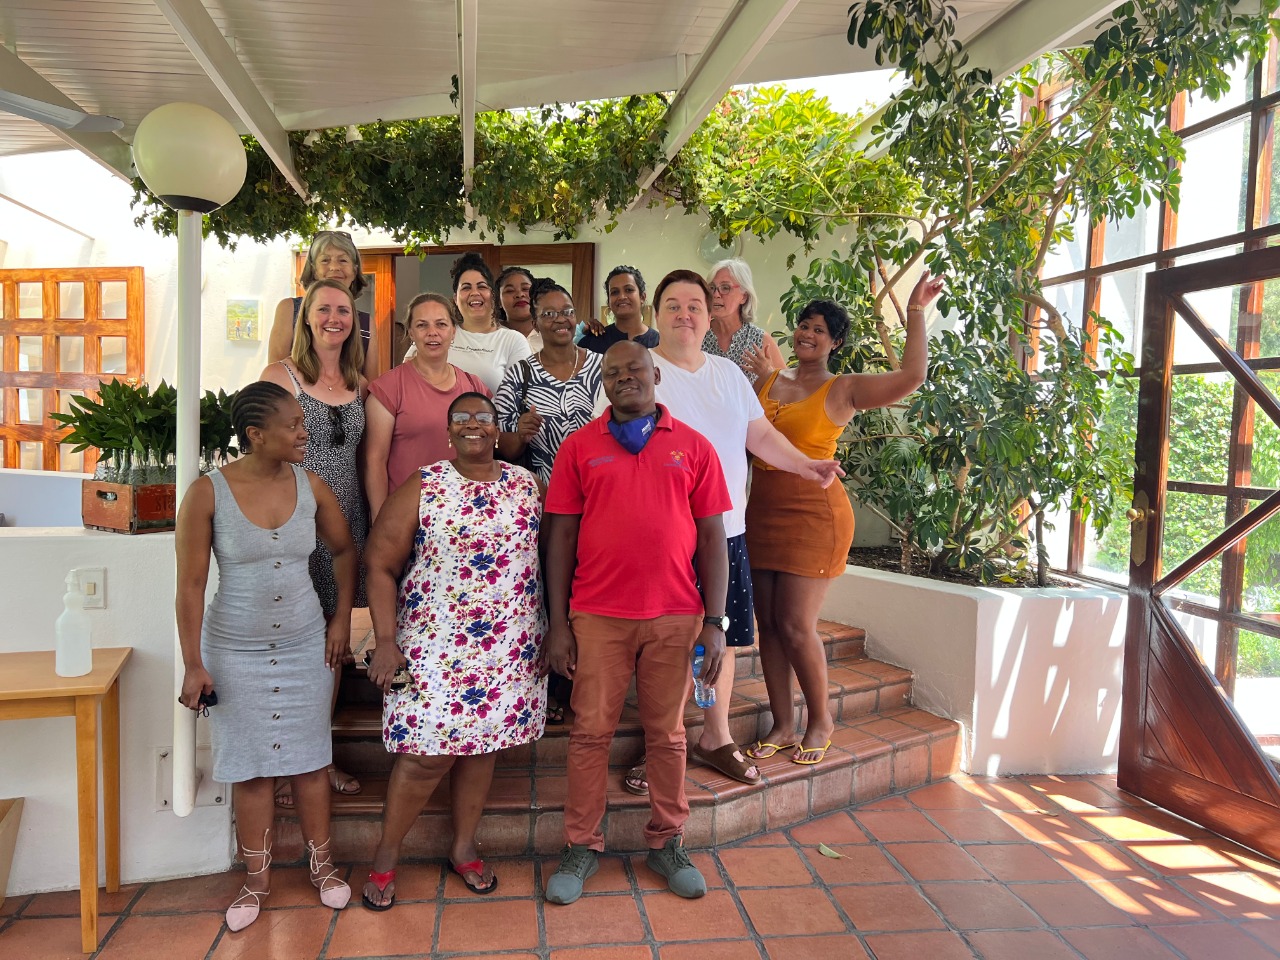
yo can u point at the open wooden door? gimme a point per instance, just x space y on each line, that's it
1201 704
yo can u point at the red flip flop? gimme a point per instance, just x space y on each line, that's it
477 867
381 881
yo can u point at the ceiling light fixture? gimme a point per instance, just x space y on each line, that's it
353 134
310 139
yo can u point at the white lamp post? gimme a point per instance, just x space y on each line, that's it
193 160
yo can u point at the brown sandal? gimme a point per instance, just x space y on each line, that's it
635 782
728 760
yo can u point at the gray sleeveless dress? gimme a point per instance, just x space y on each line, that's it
263 644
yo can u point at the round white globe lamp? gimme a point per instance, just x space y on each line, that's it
192 159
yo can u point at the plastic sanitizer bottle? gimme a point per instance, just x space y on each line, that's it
73 652
704 695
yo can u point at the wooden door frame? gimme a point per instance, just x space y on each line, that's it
1182 743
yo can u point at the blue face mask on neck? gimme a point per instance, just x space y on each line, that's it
633 434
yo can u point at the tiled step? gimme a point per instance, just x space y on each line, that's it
871 756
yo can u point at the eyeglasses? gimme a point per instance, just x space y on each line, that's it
568 313
724 289
461 417
338 433
332 233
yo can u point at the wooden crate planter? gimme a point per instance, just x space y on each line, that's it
122 508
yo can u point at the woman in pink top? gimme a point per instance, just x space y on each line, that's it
405 412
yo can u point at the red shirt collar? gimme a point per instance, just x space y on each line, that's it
662 423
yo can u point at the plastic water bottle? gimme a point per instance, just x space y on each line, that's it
704 695
73 651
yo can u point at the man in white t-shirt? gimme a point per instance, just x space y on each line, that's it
713 396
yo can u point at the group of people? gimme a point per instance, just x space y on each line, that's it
525 494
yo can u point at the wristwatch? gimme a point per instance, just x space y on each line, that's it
722 622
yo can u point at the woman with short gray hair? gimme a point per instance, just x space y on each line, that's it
733 332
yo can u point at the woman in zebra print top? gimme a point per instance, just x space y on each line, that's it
547 396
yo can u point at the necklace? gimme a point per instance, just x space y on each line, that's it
578 354
439 384
325 383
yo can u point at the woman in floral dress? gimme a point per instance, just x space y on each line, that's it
459 636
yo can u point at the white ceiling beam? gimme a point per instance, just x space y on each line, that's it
191 21
747 28
40 213
468 27
106 149
1030 29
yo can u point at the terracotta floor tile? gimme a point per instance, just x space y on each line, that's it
1237 896
831 829
1141 825
1151 900
291 887
971 826
838 947
584 922
1175 858
414 881
1075 796
713 950
888 906
776 913
610 877
857 864
1008 794
48 939
1095 861
934 861
596 953
1011 862
515 879
1213 940
902 826
1265 931
11 905
489 925
647 880
1049 827
168 937
275 935
913 946
946 795
1070 905
671 917
212 892
407 929
1020 945
66 903
765 867
887 804
1118 943
978 905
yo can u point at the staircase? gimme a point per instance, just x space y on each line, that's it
881 745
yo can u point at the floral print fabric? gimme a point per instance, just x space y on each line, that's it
470 620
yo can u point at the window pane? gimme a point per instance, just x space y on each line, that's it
1219 309
30 455
30 353
30 301
1107 556
1190 521
1057 537
1213 184
1270 81
68 460
113 305
1133 236
64 399
1200 428
112 354
1268 173
1266 439
71 301
1120 304
71 354
1071 255
1258 668
30 406
1200 107
1262 570
1068 298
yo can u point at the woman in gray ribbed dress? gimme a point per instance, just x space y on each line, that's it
263 643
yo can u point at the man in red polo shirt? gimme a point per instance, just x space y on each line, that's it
634 490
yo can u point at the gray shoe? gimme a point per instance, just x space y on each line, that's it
577 864
672 862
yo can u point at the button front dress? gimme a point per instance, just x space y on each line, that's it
469 619
263 643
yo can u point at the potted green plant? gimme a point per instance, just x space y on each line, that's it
134 430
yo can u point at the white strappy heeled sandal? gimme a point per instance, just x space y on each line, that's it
244 909
334 892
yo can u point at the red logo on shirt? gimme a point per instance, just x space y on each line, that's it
677 460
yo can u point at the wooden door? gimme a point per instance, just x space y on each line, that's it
62 332
1184 740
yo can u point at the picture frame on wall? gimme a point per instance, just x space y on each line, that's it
244 320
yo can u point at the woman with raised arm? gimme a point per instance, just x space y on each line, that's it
323 373
331 256
798 534
263 645
406 405
455 593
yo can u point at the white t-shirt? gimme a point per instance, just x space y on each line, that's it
488 355
718 402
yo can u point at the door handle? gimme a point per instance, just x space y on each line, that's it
1138 516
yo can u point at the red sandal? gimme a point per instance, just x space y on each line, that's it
476 866
381 881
